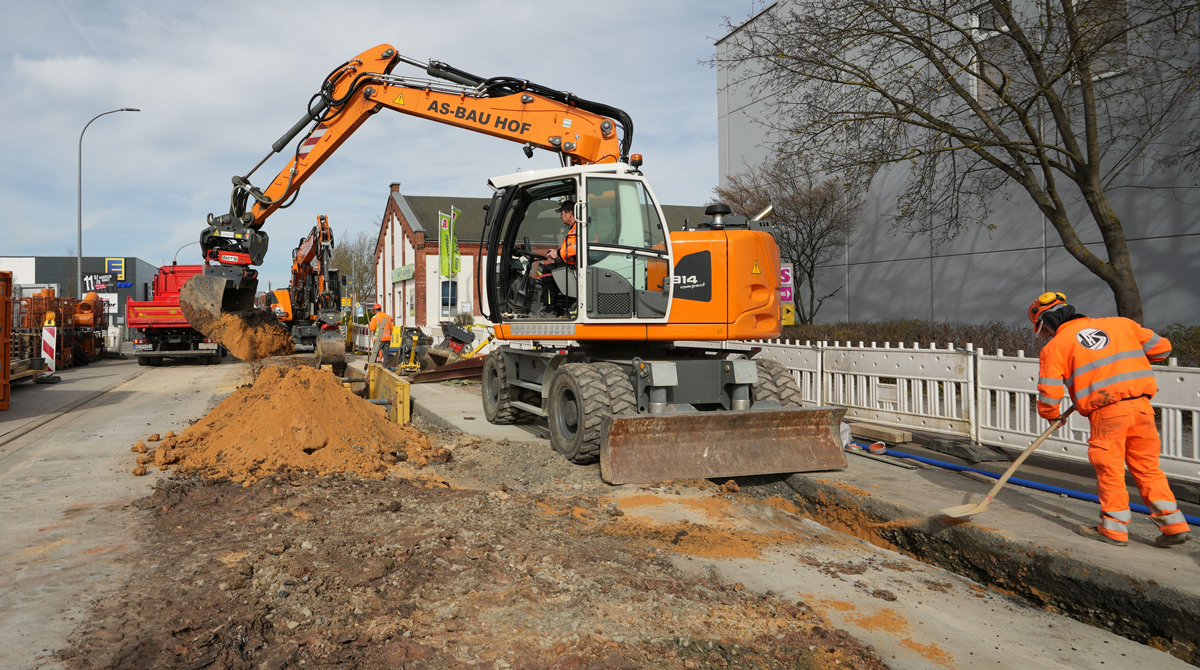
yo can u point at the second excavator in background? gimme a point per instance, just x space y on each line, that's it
311 306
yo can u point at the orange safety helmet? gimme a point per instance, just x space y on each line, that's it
376 307
1044 303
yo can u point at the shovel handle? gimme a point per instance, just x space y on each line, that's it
1054 425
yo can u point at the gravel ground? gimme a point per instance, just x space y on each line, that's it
507 556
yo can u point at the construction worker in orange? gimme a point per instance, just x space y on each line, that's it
381 332
1105 365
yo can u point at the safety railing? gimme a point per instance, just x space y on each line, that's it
961 392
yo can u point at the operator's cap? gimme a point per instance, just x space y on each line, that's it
566 205
1045 302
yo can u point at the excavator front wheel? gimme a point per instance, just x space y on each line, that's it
578 402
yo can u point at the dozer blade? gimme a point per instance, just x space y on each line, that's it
659 447
226 315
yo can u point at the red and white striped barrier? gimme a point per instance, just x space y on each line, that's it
49 344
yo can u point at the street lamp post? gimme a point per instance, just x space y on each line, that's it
79 203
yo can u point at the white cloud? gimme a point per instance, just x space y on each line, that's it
218 82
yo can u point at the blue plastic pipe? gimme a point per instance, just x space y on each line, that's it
1037 486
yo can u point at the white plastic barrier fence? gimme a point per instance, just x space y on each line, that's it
958 392
1008 413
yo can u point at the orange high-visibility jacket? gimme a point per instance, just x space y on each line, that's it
567 251
384 320
1100 362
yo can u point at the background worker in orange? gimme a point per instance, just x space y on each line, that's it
381 331
1105 365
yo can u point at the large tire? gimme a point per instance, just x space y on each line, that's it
622 398
775 382
577 403
149 361
497 396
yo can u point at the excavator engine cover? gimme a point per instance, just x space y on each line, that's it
657 447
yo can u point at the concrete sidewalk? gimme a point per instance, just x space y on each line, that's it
461 408
1024 544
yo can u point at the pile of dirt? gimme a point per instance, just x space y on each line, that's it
253 334
291 419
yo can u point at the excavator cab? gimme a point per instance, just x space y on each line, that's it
621 269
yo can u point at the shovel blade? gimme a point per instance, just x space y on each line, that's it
965 511
658 447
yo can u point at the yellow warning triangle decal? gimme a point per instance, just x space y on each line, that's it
399 100
754 270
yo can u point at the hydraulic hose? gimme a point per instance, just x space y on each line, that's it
1037 486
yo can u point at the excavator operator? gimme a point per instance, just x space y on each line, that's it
565 256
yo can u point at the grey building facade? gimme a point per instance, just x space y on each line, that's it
128 277
985 275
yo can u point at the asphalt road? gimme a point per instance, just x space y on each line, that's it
65 486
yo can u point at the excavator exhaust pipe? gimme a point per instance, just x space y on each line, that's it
658 447
225 314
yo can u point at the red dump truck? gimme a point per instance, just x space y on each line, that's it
162 331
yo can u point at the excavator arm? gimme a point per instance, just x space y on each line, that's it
579 131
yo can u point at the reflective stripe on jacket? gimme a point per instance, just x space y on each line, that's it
1099 362
567 251
381 326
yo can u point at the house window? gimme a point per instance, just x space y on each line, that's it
988 32
449 298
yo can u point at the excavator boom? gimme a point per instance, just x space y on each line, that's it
580 131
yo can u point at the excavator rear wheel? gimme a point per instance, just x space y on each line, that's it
497 396
775 382
577 402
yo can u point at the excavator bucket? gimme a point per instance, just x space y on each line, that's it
331 350
227 315
659 447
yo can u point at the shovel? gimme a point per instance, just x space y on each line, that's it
971 509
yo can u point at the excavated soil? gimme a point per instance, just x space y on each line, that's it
291 419
253 334
303 572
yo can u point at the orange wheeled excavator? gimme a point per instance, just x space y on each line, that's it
311 306
617 345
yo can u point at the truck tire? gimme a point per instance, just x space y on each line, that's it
497 396
622 399
775 382
577 402
151 362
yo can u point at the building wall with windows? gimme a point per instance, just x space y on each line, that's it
985 273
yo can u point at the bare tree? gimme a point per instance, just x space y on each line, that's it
813 217
1058 99
354 257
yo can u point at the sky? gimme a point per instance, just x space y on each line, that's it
217 82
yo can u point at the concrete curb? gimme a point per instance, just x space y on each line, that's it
1141 610
429 415
38 423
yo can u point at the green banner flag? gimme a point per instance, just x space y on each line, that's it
456 258
445 255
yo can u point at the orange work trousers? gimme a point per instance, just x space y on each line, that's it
1123 433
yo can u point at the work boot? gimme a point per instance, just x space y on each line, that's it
1172 540
1095 534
